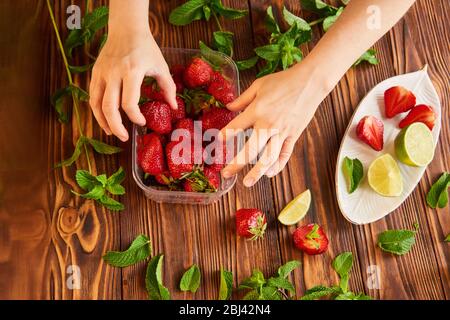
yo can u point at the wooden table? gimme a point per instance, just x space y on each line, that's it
44 229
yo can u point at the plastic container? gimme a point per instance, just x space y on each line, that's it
183 56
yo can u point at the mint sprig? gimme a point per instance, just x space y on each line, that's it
153 280
99 188
190 281
437 197
342 264
397 242
353 172
139 250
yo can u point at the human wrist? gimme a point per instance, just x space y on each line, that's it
130 20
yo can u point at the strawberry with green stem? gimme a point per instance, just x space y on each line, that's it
251 223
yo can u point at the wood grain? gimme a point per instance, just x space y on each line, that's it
44 229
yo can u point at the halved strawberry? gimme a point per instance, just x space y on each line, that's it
397 100
370 130
311 239
250 223
420 113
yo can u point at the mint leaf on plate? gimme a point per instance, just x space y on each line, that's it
438 194
398 242
353 172
139 250
153 280
190 281
226 284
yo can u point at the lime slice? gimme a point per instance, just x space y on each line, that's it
384 176
296 209
414 145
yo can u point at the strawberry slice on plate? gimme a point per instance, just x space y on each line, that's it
398 100
311 239
370 130
420 113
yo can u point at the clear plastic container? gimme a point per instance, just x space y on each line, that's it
175 56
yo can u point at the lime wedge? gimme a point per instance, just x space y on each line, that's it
296 209
384 176
414 145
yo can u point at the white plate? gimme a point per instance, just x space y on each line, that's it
365 205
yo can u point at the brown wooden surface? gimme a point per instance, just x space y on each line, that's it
44 228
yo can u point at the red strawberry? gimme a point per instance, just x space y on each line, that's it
150 154
218 161
397 100
420 113
189 186
186 124
182 162
158 116
311 239
202 181
180 113
198 73
164 178
370 130
151 90
216 118
177 72
250 223
213 177
221 89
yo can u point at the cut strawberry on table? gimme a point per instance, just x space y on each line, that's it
398 100
311 239
250 223
370 130
420 113
158 116
150 154
198 73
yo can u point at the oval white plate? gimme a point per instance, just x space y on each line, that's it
365 205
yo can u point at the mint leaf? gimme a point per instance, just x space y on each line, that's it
397 242
103 148
210 55
368 56
319 292
139 250
207 12
269 52
85 180
447 239
57 100
223 42
342 265
94 21
226 12
75 155
95 193
281 283
252 295
352 296
255 281
73 40
270 67
329 21
190 281
81 69
270 293
438 194
111 204
247 64
102 179
353 172
116 189
226 284
117 177
153 280
318 6
79 93
287 268
270 22
303 27
188 12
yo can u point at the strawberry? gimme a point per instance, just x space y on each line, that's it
150 154
311 239
397 100
164 178
213 177
216 118
207 180
184 162
186 124
370 130
198 73
151 90
177 72
420 113
180 113
218 161
158 116
221 89
250 223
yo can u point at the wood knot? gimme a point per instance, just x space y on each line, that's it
69 220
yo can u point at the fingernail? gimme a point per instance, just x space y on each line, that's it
248 182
